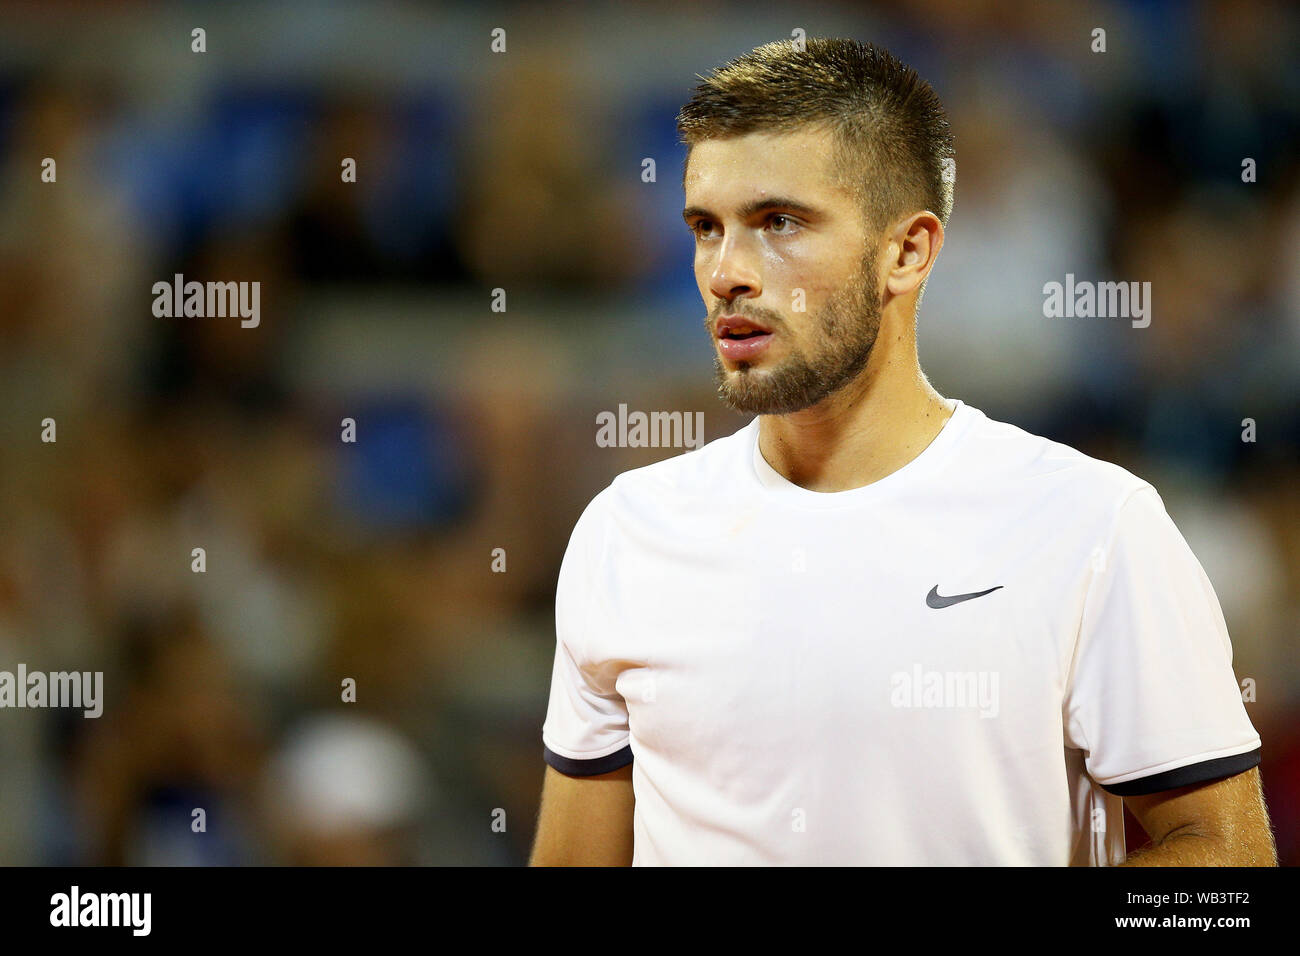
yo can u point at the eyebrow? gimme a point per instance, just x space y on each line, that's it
756 206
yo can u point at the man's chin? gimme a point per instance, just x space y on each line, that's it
740 388
743 392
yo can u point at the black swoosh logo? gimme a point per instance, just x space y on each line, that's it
935 599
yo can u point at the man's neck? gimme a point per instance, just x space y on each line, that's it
867 430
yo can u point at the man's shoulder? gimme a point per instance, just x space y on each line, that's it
692 470
1019 461
704 471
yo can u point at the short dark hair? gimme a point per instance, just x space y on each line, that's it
893 144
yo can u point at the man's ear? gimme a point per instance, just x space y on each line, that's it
910 252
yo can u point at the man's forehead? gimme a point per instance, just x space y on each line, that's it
737 167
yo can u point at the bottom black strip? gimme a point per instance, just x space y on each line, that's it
1202 772
587 768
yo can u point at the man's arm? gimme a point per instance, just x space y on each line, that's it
1221 823
585 821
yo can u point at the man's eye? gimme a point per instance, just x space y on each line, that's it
782 219
699 227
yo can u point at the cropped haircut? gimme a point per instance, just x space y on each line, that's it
892 145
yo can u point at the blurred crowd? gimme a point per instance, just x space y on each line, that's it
332 563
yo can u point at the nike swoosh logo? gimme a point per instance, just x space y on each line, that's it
935 599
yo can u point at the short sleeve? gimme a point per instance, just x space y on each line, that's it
1151 698
586 728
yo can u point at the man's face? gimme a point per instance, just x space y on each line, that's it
779 243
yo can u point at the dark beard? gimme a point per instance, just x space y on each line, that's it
847 325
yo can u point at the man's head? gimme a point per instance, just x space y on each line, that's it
816 181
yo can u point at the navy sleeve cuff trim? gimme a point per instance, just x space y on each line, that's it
1202 772
587 768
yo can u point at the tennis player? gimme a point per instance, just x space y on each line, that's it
874 626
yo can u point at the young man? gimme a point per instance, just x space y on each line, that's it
874 626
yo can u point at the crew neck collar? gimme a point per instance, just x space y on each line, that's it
777 486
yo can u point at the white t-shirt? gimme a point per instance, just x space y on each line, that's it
966 662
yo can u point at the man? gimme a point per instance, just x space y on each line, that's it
874 626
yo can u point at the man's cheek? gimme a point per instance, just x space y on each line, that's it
806 296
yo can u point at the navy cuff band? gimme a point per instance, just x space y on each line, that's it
587 768
1186 776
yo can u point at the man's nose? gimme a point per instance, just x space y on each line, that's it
735 273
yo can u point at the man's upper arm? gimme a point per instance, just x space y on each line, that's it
1229 812
587 803
1151 698
585 821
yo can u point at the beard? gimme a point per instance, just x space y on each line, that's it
843 331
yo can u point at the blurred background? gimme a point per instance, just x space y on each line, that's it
476 429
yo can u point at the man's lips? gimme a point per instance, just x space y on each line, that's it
741 339
738 327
